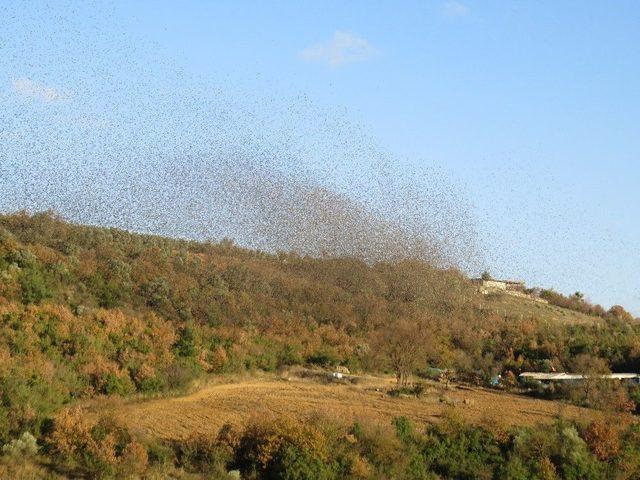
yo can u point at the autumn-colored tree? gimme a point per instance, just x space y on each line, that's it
403 342
603 438
618 312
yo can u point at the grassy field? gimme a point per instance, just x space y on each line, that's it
519 308
251 397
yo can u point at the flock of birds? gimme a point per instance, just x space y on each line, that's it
107 133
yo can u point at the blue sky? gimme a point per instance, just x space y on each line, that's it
533 108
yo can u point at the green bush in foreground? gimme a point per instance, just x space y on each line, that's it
317 449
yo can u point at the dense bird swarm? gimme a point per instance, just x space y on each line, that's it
150 148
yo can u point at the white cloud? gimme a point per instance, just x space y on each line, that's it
455 9
343 48
38 90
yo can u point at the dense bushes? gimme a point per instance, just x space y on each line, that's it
102 300
100 448
578 303
49 356
284 448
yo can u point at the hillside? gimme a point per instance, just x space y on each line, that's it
519 309
231 308
88 313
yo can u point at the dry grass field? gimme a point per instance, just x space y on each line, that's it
518 308
239 401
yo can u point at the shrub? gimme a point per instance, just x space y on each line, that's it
289 355
156 293
34 286
102 448
456 450
557 448
293 463
185 346
324 358
203 454
381 448
160 453
151 384
603 438
181 373
404 428
26 445
112 384
270 447
27 398
417 389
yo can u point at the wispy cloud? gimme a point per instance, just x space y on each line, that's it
455 9
342 49
37 90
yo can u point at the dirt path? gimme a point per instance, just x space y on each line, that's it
208 409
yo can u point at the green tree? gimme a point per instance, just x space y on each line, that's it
185 346
34 286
